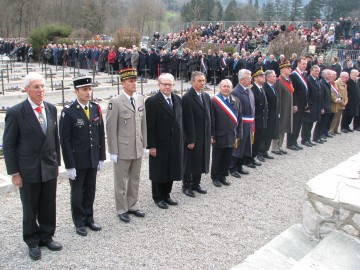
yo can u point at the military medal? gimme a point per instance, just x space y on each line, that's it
41 119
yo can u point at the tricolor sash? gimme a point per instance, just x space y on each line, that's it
301 77
203 64
248 119
219 99
333 88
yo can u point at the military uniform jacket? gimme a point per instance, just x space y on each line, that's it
286 107
82 139
126 127
223 129
261 107
26 149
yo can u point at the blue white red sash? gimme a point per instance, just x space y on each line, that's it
224 62
219 99
203 64
248 119
301 77
333 88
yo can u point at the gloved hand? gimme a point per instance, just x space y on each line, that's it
100 165
71 173
113 158
145 151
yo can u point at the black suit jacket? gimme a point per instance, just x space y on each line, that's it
26 149
300 94
326 96
315 101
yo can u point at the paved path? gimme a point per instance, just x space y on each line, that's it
213 231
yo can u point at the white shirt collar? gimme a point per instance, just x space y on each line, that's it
34 106
82 105
128 97
166 97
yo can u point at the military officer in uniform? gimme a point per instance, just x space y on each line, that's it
126 135
82 140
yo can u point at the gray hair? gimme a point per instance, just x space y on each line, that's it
33 77
325 72
166 76
315 66
268 73
243 73
226 81
196 74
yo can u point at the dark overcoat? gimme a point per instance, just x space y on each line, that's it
244 148
165 133
326 95
273 100
261 107
286 107
197 129
315 101
352 108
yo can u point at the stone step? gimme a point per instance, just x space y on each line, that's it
337 251
281 253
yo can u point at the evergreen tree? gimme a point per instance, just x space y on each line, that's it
256 5
296 10
312 10
231 12
269 11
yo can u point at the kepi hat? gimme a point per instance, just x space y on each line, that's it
82 81
127 73
284 64
259 71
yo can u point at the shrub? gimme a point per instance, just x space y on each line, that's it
126 37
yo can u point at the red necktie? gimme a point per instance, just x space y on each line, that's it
38 110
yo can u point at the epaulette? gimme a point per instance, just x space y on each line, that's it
68 105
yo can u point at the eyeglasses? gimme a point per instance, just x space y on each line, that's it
167 84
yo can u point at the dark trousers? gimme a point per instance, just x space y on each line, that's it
221 158
83 196
321 126
39 212
306 131
236 164
259 142
297 123
356 123
346 121
267 141
328 123
161 191
191 180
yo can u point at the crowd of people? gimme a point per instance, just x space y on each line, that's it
260 101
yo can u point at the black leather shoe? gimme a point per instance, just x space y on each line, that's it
261 158
225 182
162 205
349 129
188 192
235 174
242 171
344 130
94 227
312 144
199 189
293 147
276 152
254 162
318 141
81 231
323 140
283 151
124 217
299 147
170 201
250 165
52 245
217 183
137 213
266 155
337 133
35 253
328 135
306 144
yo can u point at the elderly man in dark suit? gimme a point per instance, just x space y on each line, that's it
226 131
32 156
313 111
197 134
164 140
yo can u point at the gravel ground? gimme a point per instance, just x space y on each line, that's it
213 231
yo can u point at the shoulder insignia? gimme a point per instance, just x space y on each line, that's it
110 106
63 114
